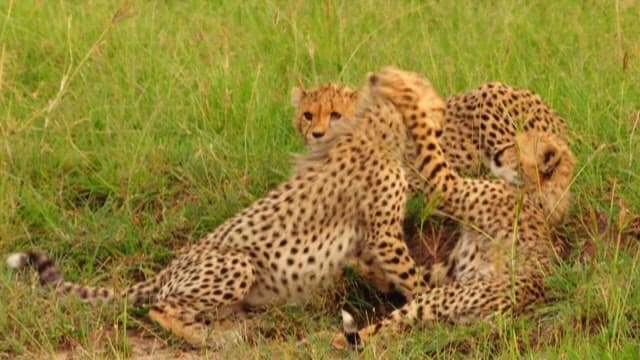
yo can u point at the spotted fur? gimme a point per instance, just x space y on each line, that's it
506 250
478 125
345 198
318 109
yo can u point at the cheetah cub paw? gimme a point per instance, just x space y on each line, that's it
411 93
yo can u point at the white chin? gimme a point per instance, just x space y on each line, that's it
509 175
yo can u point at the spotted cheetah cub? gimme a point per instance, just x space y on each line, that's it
479 125
317 109
346 197
505 251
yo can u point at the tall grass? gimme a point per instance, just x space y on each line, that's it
128 129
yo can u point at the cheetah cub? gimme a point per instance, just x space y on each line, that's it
346 197
317 109
505 250
478 126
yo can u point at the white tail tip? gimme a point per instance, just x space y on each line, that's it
348 322
17 260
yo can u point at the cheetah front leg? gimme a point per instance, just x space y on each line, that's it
371 272
384 246
422 110
395 270
201 302
368 270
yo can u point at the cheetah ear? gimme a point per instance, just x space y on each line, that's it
297 93
355 94
549 161
372 79
351 90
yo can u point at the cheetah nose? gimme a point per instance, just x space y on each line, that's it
317 134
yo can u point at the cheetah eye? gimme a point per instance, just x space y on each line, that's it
308 115
335 115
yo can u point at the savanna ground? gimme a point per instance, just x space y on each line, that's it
130 129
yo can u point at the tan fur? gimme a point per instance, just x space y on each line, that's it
546 163
506 250
318 111
480 122
477 124
344 199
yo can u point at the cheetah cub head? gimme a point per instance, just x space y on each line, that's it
319 109
543 165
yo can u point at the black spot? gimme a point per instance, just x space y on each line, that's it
436 169
452 268
426 277
425 161
548 155
45 265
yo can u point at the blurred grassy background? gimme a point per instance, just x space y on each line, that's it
128 129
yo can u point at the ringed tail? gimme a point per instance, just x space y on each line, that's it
50 277
351 331
49 274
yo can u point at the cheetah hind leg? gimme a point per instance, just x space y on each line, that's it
205 306
200 329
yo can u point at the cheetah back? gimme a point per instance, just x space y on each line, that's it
480 123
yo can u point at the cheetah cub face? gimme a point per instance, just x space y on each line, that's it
542 163
318 109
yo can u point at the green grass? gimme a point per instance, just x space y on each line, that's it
127 131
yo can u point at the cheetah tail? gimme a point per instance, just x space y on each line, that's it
50 277
351 330
49 274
